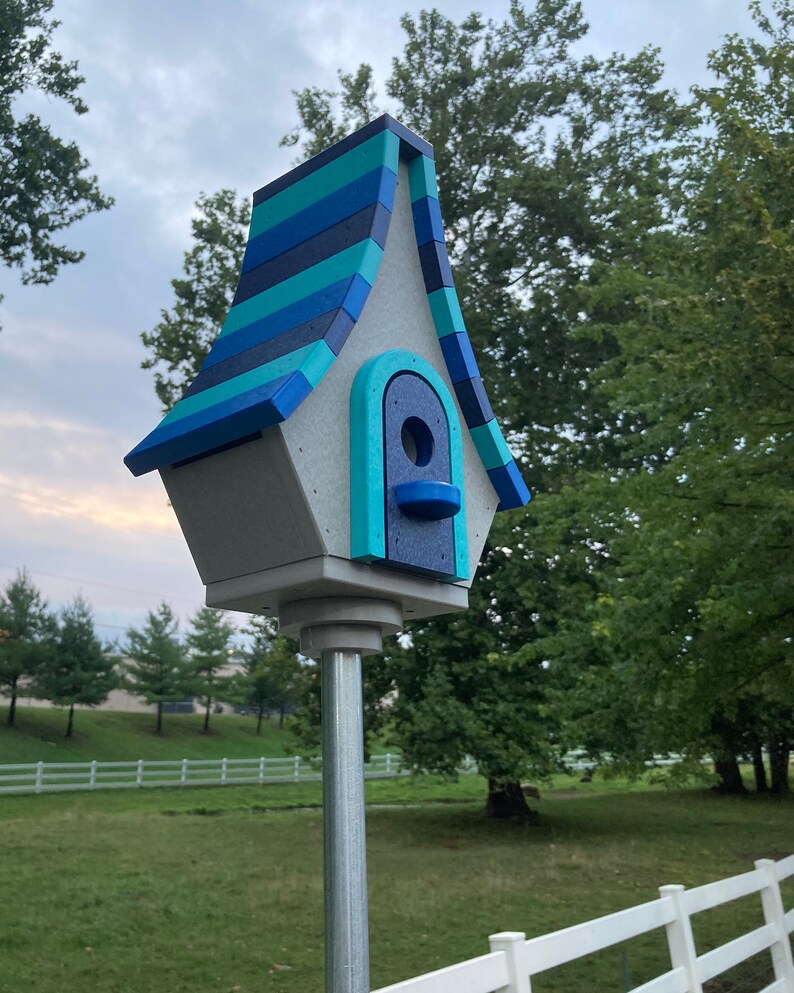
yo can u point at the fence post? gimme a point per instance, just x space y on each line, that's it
512 944
297 769
262 769
39 775
680 939
139 773
775 915
183 776
388 763
92 776
224 768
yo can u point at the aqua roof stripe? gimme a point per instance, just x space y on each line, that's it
382 150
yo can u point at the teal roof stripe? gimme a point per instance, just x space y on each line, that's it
422 178
490 443
445 308
312 360
382 150
363 258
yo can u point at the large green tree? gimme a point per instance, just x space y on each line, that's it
26 629
44 183
79 668
688 643
157 671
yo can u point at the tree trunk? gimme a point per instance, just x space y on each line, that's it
281 715
506 800
759 770
727 768
159 717
12 707
207 715
779 751
259 717
70 723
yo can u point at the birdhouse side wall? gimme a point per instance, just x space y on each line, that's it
243 510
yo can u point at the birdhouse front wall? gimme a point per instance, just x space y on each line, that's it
397 316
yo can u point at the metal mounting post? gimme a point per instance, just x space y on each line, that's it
340 630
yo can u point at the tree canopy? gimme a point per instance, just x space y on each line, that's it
44 183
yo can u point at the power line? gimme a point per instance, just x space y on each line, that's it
107 586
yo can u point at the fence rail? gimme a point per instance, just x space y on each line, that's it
513 960
54 777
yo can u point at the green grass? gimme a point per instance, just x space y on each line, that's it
38 736
213 890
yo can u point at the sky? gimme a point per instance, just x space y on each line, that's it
185 96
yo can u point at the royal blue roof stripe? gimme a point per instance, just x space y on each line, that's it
376 186
410 146
362 258
382 150
510 486
459 356
240 417
333 328
350 293
313 360
428 224
371 222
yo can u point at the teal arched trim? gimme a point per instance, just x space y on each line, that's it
367 497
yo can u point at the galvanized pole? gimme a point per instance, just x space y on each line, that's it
346 918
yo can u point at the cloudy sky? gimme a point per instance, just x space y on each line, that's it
185 96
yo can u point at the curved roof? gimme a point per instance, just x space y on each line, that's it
314 248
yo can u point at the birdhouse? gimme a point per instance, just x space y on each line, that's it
338 440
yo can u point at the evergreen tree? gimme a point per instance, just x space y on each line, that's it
158 671
26 629
79 668
209 643
272 670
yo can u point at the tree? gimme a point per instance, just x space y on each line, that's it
79 668
272 670
44 186
690 633
553 167
26 627
180 341
158 671
209 644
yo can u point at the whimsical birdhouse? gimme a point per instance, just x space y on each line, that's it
338 440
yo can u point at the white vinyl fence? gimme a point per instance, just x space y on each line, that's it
513 960
53 777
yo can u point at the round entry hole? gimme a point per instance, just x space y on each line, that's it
417 439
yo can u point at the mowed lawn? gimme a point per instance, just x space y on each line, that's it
38 736
213 891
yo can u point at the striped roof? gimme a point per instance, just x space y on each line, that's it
314 248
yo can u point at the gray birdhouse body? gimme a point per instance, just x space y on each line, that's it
327 447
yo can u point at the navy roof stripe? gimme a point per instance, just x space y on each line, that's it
334 327
410 144
329 298
375 186
367 223
435 266
474 402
